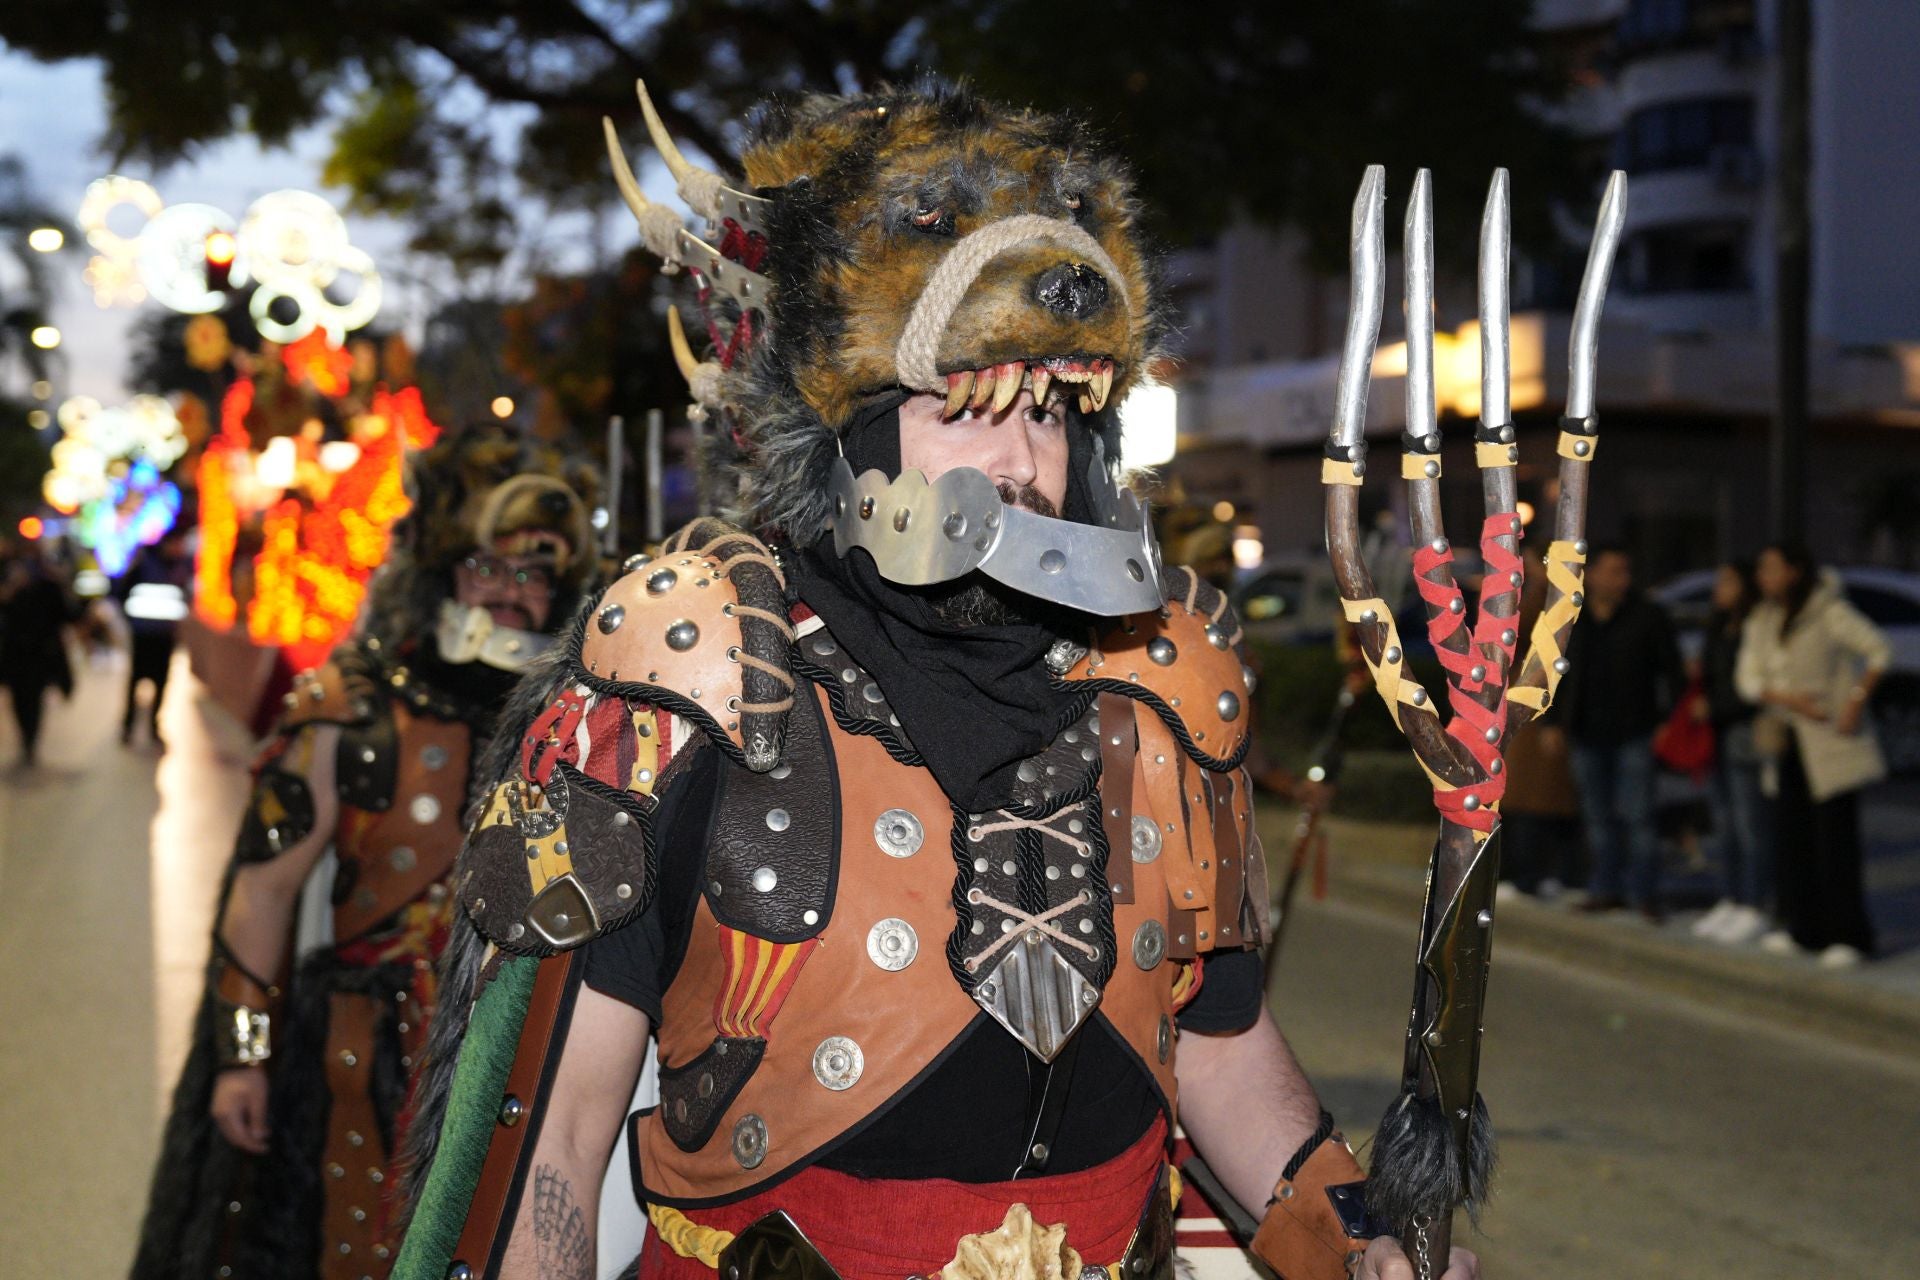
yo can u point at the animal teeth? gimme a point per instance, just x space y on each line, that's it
959 387
1006 385
982 388
1086 402
1041 381
1102 384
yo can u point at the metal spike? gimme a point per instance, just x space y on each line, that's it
1417 249
1363 311
1496 409
1583 349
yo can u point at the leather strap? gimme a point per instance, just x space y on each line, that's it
483 1241
1119 749
1315 1227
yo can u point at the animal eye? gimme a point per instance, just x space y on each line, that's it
929 217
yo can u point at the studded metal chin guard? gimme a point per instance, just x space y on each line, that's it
920 532
468 633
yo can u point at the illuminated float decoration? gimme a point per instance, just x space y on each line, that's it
108 475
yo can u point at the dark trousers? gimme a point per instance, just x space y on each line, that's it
1822 895
1616 801
28 698
152 659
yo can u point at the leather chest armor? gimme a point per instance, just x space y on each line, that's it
401 772
852 923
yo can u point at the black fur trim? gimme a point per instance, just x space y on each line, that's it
1416 1169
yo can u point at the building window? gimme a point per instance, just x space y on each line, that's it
1649 25
1688 257
1685 134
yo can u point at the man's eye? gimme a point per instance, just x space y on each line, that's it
1047 415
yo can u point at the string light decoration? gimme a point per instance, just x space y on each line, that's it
291 247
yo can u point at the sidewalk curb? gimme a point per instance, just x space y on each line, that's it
1778 991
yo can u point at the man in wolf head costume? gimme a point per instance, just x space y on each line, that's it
278 1156
907 816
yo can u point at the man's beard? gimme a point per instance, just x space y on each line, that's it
975 600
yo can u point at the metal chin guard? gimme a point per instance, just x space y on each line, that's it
920 533
468 633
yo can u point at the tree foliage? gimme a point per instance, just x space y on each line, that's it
1238 108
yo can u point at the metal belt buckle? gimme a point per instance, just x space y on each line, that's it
774 1248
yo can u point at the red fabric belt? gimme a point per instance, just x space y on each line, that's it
875 1229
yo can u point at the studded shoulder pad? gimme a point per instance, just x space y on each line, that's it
703 632
334 693
1186 662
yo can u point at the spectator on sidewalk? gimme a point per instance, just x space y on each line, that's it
1624 679
1812 660
153 594
34 612
1734 798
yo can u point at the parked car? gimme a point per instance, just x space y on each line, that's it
1889 597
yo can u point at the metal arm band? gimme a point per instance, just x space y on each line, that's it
243 1015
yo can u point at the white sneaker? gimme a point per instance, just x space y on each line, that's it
1743 925
1716 919
1779 942
1549 889
1841 956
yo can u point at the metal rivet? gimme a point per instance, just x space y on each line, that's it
1419 697
1560 666
1581 448
1162 651
765 878
892 944
1146 839
1392 654
1439 546
1470 804
1228 705
511 1109
901 518
871 692
661 582
778 819
1508 636
610 619
1484 918
838 1062
1369 615
1493 733
1432 469
1455 605
682 636
898 833
750 1131
1149 944
1477 672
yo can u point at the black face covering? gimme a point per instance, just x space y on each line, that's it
974 700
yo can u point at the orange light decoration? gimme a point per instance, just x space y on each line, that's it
213 597
315 559
220 248
314 358
32 527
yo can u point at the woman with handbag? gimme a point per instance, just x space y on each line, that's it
1734 796
1811 660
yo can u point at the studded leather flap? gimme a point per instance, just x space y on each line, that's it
694 1095
367 765
773 856
334 693
548 868
858 702
1185 662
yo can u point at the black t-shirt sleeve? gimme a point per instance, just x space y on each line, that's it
1231 994
635 963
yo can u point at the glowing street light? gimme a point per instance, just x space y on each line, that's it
1149 426
38 419
45 337
42 389
46 239
503 406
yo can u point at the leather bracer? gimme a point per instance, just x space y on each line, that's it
244 1010
1316 1226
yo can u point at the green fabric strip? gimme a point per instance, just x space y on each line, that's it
486 1055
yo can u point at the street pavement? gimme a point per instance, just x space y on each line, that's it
1649 1128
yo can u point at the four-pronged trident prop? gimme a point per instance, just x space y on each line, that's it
1433 1151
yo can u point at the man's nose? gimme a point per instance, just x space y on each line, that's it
1013 460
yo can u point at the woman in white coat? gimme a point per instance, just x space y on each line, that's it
1811 661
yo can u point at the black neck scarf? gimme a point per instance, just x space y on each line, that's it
974 701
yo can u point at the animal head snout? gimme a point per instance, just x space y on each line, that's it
1071 289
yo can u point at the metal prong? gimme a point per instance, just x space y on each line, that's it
1584 348
1417 248
1496 409
1363 308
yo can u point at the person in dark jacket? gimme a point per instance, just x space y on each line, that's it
1733 788
153 594
34 613
1624 679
